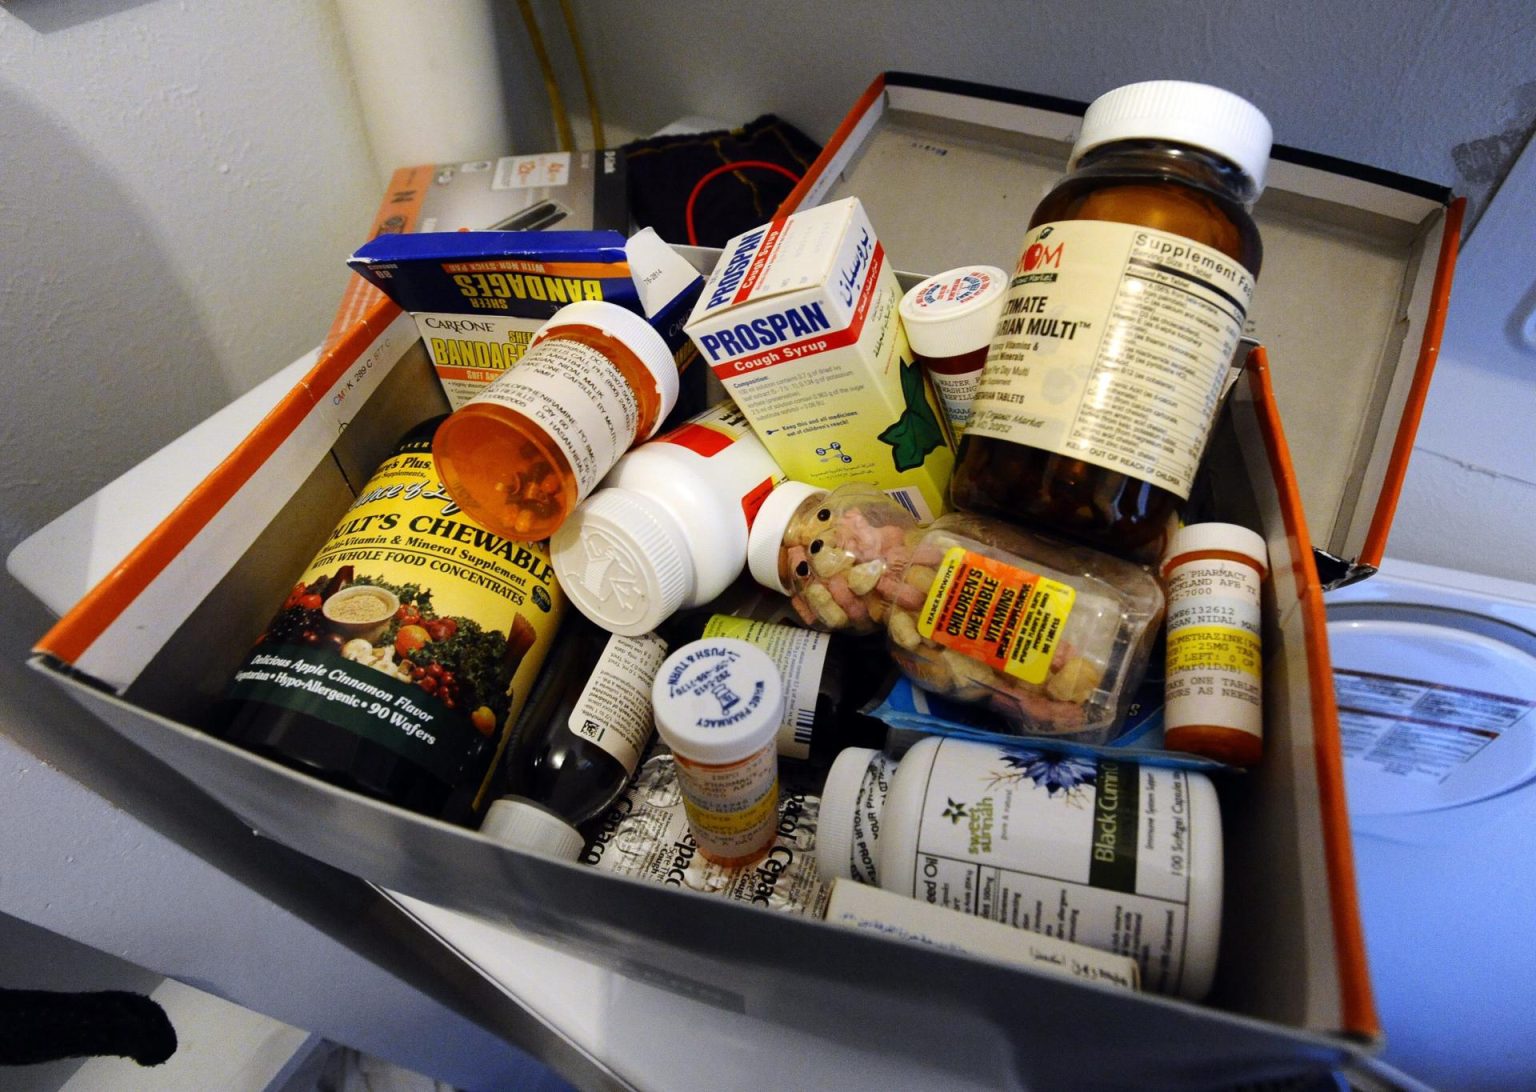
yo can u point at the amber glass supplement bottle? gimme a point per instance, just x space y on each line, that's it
519 456
1214 697
403 653
1125 309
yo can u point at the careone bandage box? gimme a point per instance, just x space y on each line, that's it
798 322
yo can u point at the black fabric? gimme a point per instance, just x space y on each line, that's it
663 171
44 1026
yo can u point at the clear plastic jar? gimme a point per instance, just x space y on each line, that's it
1054 638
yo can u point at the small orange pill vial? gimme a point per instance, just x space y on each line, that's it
1214 699
523 453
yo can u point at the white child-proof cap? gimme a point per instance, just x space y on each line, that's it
718 700
522 824
1226 537
623 560
768 528
1187 113
954 312
638 335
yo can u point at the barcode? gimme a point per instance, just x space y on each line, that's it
901 497
805 724
591 729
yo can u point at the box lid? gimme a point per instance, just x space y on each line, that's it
1350 302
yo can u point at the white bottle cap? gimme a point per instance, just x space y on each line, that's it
1200 537
623 560
837 852
768 528
955 311
522 824
649 347
718 700
1187 113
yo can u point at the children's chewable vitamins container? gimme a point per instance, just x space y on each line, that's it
1214 696
718 703
950 319
1120 857
1052 637
521 454
668 528
1122 319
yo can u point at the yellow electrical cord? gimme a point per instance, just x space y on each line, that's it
562 122
586 77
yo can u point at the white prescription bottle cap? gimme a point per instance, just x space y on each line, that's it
845 845
954 312
1199 538
718 701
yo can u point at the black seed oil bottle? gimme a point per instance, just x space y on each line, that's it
403 653
1105 373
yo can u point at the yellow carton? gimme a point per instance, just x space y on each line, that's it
799 322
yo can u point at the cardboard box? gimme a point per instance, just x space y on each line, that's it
146 648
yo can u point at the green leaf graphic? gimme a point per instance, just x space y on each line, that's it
916 432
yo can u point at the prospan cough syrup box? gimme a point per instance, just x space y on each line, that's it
799 323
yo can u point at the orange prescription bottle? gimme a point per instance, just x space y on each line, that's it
519 456
1123 314
718 704
1214 702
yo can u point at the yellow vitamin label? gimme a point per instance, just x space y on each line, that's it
1211 648
1006 617
734 824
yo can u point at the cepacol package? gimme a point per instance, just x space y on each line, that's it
799 323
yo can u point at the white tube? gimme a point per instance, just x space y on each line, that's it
428 79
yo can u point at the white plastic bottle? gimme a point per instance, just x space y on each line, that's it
1120 857
668 527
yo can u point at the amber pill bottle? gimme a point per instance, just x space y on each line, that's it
1126 306
524 452
1214 702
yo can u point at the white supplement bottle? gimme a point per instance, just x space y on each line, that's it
1120 857
718 704
668 527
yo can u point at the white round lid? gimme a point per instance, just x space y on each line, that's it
523 824
842 800
623 560
1432 715
954 312
768 527
1228 537
718 700
636 333
1188 113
